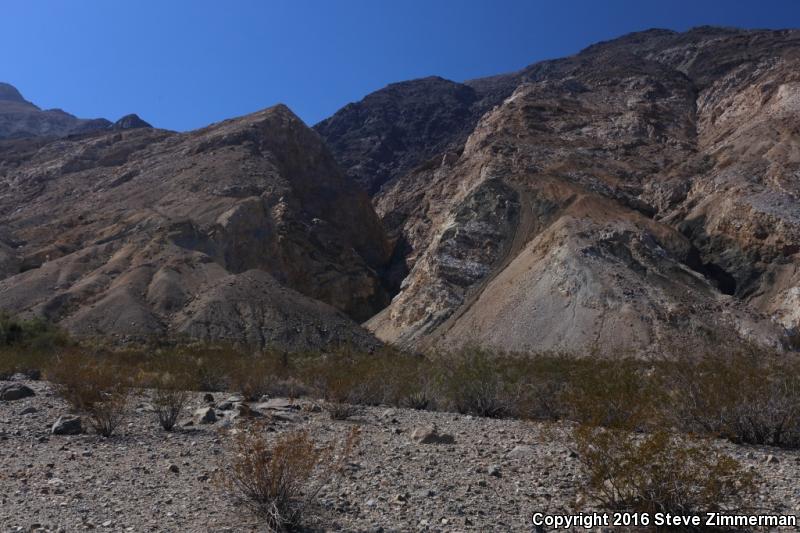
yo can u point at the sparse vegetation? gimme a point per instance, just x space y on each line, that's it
280 480
660 473
473 383
747 396
106 415
93 386
169 401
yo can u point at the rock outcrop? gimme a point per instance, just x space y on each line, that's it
243 231
640 194
20 118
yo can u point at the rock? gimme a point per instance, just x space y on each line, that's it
244 410
67 425
205 415
225 406
15 391
208 398
286 416
172 467
430 435
494 471
284 249
521 451
278 404
28 410
771 459
130 122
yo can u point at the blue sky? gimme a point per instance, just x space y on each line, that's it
184 64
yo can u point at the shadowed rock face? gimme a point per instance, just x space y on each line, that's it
640 194
245 230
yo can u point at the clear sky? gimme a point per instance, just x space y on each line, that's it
183 64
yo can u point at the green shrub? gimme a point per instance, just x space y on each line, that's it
617 394
660 473
749 397
472 381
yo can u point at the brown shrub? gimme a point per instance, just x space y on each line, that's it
748 397
616 394
660 472
106 415
92 386
169 402
473 381
280 480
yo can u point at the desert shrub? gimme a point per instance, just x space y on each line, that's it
79 379
107 414
748 397
35 334
169 401
344 377
340 410
660 472
26 346
280 480
617 394
91 385
420 400
473 381
253 377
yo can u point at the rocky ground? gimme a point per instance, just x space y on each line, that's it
494 475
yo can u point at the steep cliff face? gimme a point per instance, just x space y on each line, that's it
639 194
391 131
246 229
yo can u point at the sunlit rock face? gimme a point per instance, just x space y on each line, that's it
639 195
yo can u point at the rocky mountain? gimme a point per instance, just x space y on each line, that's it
244 231
20 118
642 194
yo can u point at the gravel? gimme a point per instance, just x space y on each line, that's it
492 477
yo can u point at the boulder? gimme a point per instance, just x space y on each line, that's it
15 391
67 425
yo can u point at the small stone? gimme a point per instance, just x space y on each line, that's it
771 459
28 410
205 415
173 468
430 435
521 451
424 494
276 404
494 471
208 398
67 425
15 391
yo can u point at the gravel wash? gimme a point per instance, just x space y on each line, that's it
492 478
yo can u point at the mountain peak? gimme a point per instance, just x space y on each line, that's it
129 122
10 93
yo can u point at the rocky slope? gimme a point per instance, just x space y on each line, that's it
20 118
245 230
493 476
639 194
